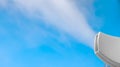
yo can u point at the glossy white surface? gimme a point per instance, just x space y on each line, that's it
108 47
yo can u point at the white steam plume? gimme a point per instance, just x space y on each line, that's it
63 14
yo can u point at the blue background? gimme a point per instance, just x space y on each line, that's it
49 50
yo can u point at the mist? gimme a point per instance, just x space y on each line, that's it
63 15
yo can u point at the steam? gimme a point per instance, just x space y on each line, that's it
3 3
62 14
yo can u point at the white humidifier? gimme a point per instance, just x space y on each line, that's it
107 48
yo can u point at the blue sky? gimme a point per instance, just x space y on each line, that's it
54 33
